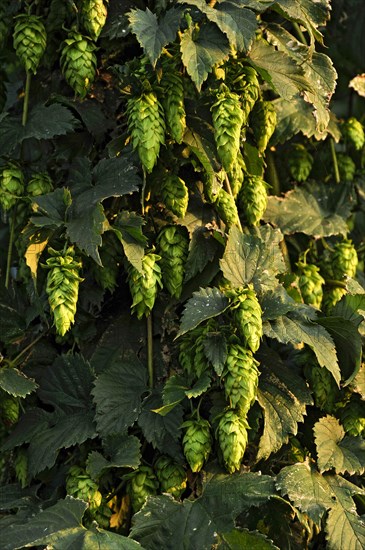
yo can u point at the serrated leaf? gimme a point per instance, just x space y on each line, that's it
86 230
13 381
113 177
255 258
128 229
37 242
203 249
358 383
336 450
308 13
205 304
201 50
46 122
352 308
117 395
13 496
215 348
51 208
125 452
318 210
200 386
243 539
358 84
277 302
28 426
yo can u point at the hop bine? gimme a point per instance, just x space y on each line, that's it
173 246
93 17
171 476
300 162
174 194
197 443
30 40
252 198
247 316
142 483
241 378
232 439
78 62
144 285
11 185
173 100
310 284
263 122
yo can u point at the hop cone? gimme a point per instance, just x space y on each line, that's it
241 378
226 208
227 122
174 194
310 284
9 409
173 101
252 198
331 297
323 385
300 162
245 83
192 356
39 184
247 316
263 123
147 127
30 40
171 476
344 260
11 185
144 285
63 287
232 439
353 132
197 443
78 62
80 485
101 515
107 274
142 484
237 174
21 466
173 245
346 167
93 17
352 417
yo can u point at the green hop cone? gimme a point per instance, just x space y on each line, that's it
245 83
247 316
171 476
330 298
30 40
263 123
93 17
300 162
21 466
192 356
241 378
173 100
346 167
9 409
344 260
147 127
142 483
80 485
232 439
310 284
237 174
323 385
144 285
174 194
106 275
197 443
78 62
101 515
353 132
11 185
352 417
226 208
39 184
252 198
227 122
62 287
173 246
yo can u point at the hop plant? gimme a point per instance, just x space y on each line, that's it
311 284
346 167
171 476
263 123
39 184
241 378
30 40
237 174
245 83
93 17
147 127
330 298
173 246
78 62
142 483
144 285
9 409
352 417
323 385
353 132
80 485
174 194
62 287
252 199
232 439
247 316
11 185
227 122
344 260
192 356
226 208
197 443
300 162
173 100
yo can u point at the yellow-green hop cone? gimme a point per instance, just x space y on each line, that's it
78 62
227 122
237 174
226 208
93 17
352 417
252 198
146 125
142 483
245 83
80 485
331 297
241 378
311 284
171 476
144 285
353 132
9 409
263 123
346 167
11 185
30 40
173 100
174 194
192 356
173 247
247 316
197 443
323 385
344 260
232 439
39 184
300 162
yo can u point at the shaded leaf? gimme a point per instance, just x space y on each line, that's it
86 230
13 496
215 348
243 539
205 304
310 14
46 122
125 452
13 381
277 302
128 229
51 208
203 249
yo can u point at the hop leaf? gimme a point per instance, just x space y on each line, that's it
352 417
143 483
80 485
174 194
197 443
11 185
173 246
241 378
144 285
263 123
247 316
310 284
300 162
252 199
30 40
172 476
173 100
226 208
39 184
78 62
353 132
93 17
232 439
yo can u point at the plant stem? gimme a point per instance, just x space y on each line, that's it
150 350
339 284
299 32
27 348
272 174
285 253
10 248
228 188
26 98
334 160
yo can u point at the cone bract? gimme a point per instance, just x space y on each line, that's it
78 62
325 390
171 476
232 439
30 40
310 284
173 243
344 260
245 83
241 378
173 100
174 194
346 167
192 356
93 17
263 123
144 285
9 409
197 443
252 198
142 484
237 174
11 185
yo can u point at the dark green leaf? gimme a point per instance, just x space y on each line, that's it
12 324
200 386
34 422
126 453
205 304
351 308
203 248
13 381
86 230
277 302
128 229
308 13
51 208
215 348
48 122
13 496
113 177
243 539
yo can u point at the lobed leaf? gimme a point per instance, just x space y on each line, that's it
205 304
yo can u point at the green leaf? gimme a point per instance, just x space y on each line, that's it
255 258
352 308
203 249
154 35
358 84
113 177
125 452
128 229
12 323
201 49
200 386
336 450
358 383
243 539
13 381
117 395
215 348
283 396
308 13
205 304
13 496
316 210
86 230
51 208
82 539
277 302
47 122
